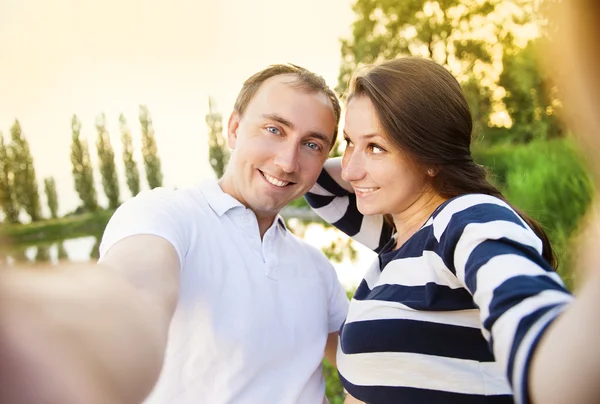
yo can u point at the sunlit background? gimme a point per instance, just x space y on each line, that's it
79 57
94 59
67 65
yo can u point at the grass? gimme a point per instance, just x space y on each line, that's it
56 229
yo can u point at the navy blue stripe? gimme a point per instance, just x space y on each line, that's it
316 201
489 249
422 240
514 290
351 222
482 213
401 335
522 329
411 395
524 393
387 232
429 297
328 183
362 291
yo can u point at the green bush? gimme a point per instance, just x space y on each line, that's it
550 182
333 387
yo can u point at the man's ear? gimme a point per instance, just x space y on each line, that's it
232 128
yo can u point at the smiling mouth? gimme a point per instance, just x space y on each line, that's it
275 181
365 191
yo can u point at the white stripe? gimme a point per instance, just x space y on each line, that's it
319 190
417 271
366 310
370 231
458 205
335 210
505 327
424 372
498 270
524 351
476 233
373 274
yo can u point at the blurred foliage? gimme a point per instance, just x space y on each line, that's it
108 168
548 180
530 99
8 200
56 229
83 173
333 387
152 162
23 171
51 196
218 151
132 172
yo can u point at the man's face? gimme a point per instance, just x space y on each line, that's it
279 145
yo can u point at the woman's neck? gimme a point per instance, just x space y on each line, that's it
409 221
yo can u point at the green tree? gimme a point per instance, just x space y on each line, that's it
149 150
218 152
51 196
8 201
42 253
83 174
108 169
459 34
131 169
62 253
26 186
530 100
95 251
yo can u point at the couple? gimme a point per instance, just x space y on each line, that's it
203 294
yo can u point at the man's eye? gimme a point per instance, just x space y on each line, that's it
313 146
273 130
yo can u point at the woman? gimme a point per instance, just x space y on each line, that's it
464 284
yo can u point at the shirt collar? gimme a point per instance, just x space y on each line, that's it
221 202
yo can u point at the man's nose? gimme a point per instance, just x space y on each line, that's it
287 158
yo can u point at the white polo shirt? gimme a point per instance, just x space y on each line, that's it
253 316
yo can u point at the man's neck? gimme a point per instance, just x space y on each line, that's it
265 220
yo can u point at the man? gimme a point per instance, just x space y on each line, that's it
210 275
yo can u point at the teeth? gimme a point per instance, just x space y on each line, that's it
365 190
275 181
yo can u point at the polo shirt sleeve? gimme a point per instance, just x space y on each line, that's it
157 212
338 207
338 303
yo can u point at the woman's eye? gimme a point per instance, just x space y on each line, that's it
376 149
273 130
348 142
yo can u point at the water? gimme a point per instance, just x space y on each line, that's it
81 249
85 249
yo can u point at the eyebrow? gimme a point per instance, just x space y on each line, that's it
285 122
367 136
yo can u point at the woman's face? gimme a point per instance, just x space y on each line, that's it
385 180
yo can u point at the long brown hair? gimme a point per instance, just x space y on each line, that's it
423 111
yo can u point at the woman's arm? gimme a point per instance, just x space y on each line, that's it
333 200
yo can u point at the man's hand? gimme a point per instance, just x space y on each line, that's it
87 333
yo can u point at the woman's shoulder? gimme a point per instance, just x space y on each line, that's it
462 210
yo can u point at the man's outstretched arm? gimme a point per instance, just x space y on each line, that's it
89 333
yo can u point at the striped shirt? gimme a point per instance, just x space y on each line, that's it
454 314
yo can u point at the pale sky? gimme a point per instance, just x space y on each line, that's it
85 57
